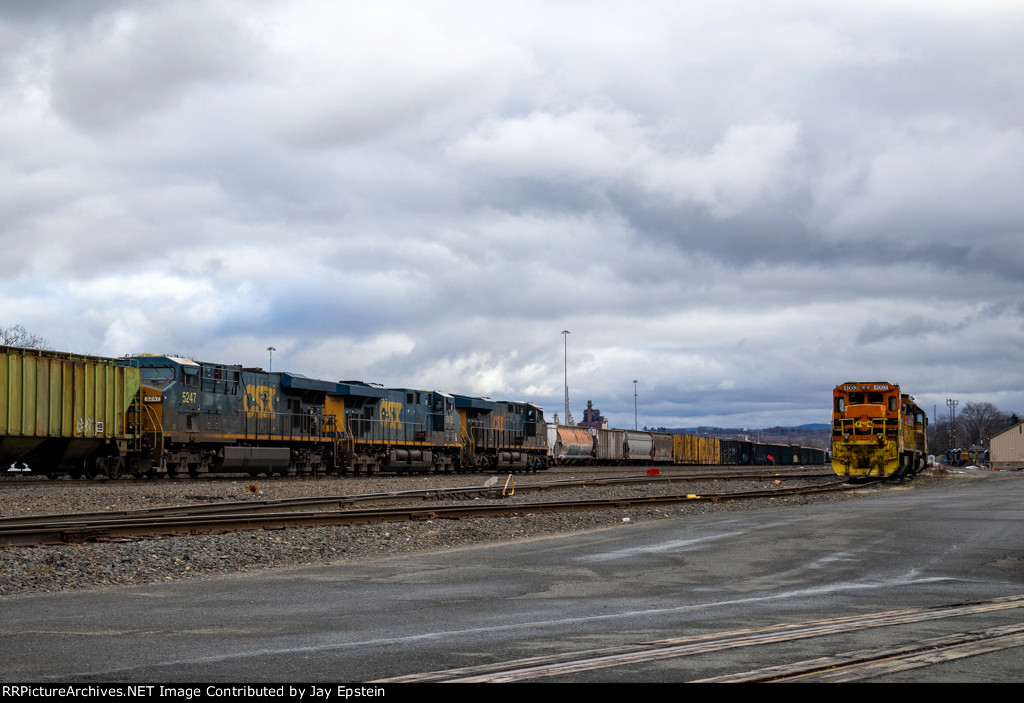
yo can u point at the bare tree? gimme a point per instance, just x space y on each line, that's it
980 420
18 336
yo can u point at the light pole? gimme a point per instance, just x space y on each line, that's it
270 366
952 421
565 337
634 404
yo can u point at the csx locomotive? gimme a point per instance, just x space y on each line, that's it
877 431
152 415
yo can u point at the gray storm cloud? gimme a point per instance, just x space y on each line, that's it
738 205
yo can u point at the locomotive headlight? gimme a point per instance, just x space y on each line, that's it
846 438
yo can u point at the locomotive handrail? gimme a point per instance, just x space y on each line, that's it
157 432
281 426
364 429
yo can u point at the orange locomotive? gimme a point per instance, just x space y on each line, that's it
877 432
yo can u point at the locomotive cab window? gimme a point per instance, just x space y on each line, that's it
856 399
876 398
840 405
158 375
892 403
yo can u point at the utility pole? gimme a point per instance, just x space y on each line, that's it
952 422
270 365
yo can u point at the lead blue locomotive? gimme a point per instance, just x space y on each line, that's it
195 417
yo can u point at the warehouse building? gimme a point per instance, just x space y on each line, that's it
1007 449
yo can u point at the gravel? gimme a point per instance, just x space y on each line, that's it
73 567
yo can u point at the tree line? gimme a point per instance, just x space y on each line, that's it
972 425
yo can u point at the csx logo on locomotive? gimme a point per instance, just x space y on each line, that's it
391 414
258 399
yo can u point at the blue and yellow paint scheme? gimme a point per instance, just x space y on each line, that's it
198 417
501 435
395 429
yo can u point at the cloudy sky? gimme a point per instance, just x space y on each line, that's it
739 204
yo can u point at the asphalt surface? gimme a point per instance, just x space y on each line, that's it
959 541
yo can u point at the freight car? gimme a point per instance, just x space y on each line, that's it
66 412
574 445
570 445
877 431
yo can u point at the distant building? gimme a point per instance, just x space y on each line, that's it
593 418
1007 448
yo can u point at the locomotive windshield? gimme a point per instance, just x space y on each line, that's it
157 374
867 398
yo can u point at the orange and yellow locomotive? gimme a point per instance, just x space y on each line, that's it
877 432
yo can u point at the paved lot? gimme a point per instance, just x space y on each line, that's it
960 541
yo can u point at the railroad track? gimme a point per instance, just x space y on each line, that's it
849 666
344 510
721 472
